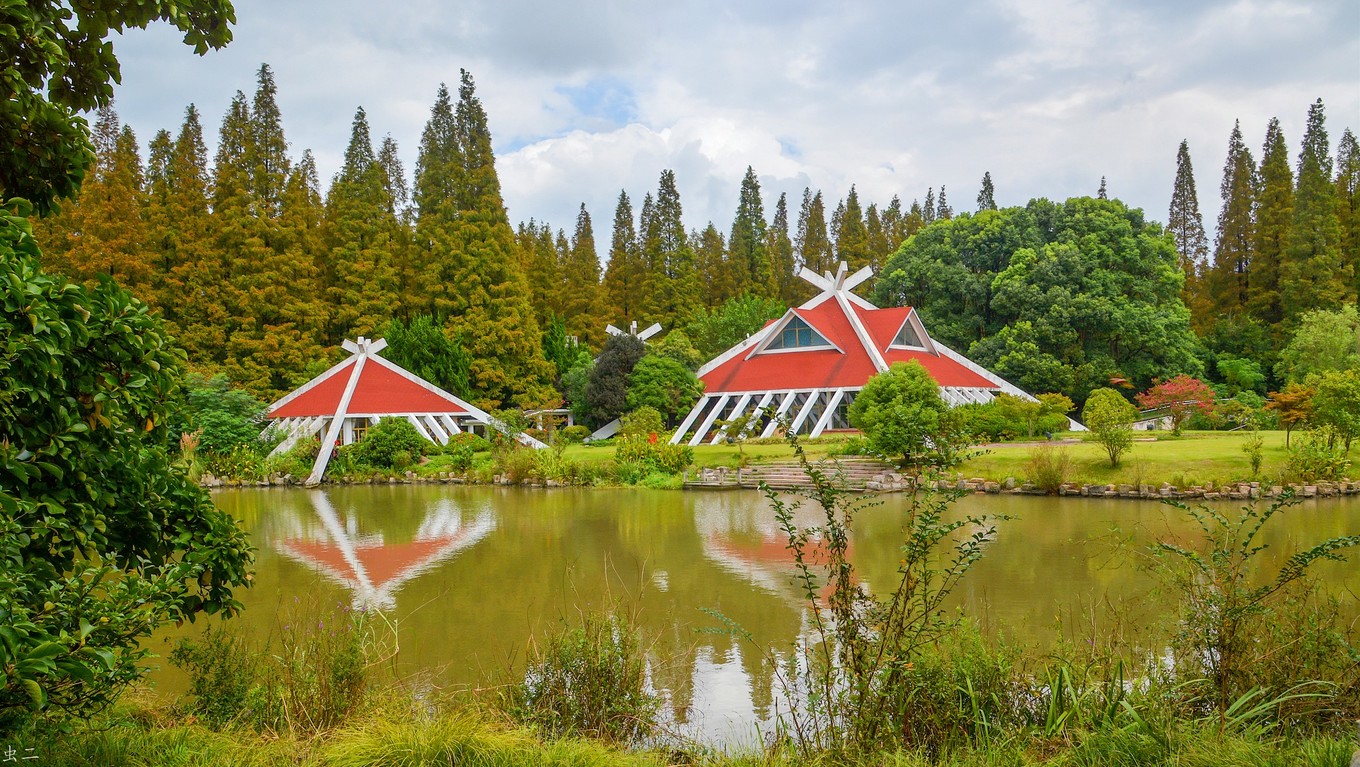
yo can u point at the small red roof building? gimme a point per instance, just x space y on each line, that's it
341 403
809 364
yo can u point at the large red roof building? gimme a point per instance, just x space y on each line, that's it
808 365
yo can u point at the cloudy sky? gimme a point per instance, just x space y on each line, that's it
586 99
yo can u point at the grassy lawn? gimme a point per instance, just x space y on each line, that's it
1193 459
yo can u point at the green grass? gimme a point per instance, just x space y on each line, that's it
1193 459
141 738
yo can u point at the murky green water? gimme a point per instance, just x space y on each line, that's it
468 575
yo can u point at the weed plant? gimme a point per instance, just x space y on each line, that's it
865 680
307 678
587 680
1049 467
1232 645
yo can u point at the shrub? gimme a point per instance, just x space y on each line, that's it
460 456
476 442
902 414
1049 467
379 448
575 433
643 422
658 456
587 680
1315 457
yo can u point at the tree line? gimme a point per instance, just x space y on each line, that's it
259 274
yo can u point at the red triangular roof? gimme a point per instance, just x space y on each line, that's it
383 388
383 564
849 367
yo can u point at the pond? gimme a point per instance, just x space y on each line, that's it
467 575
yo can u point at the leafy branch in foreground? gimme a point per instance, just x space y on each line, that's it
858 684
1224 597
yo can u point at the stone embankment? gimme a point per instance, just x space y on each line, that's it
288 480
867 475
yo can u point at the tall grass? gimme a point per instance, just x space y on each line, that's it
587 680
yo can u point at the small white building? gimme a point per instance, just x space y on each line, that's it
345 401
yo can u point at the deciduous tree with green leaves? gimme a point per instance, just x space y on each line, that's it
1109 420
901 413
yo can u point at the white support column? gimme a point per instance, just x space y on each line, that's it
450 425
691 418
736 413
440 436
420 427
813 396
347 431
755 413
778 414
708 422
827 414
323 457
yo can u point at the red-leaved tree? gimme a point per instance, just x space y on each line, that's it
1181 396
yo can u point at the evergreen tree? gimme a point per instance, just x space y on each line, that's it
397 205
1273 213
1186 227
1348 202
928 214
189 292
423 348
915 220
623 275
852 237
542 264
876 235
986 199
812 246
361 279
942 209
1314 274
1230 277
268 150
748 246
673 284
501 335
718 276
781 251
1101 194
579 293
437 178
895 225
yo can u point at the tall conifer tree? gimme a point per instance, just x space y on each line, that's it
673 277
191 286
1229 280
781 251
1186 226
1273 214
942 209
623 274
436 260
812 246
1348 202
497 324
1314 274
718 273
1101 193
362 281
580 296
852 237
748 247
268 150
986 199
928 214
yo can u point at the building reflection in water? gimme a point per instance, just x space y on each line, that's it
369 566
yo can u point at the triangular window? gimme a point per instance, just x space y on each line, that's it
797 334
907 337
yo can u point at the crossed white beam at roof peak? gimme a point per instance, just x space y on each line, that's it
632 330
364 345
